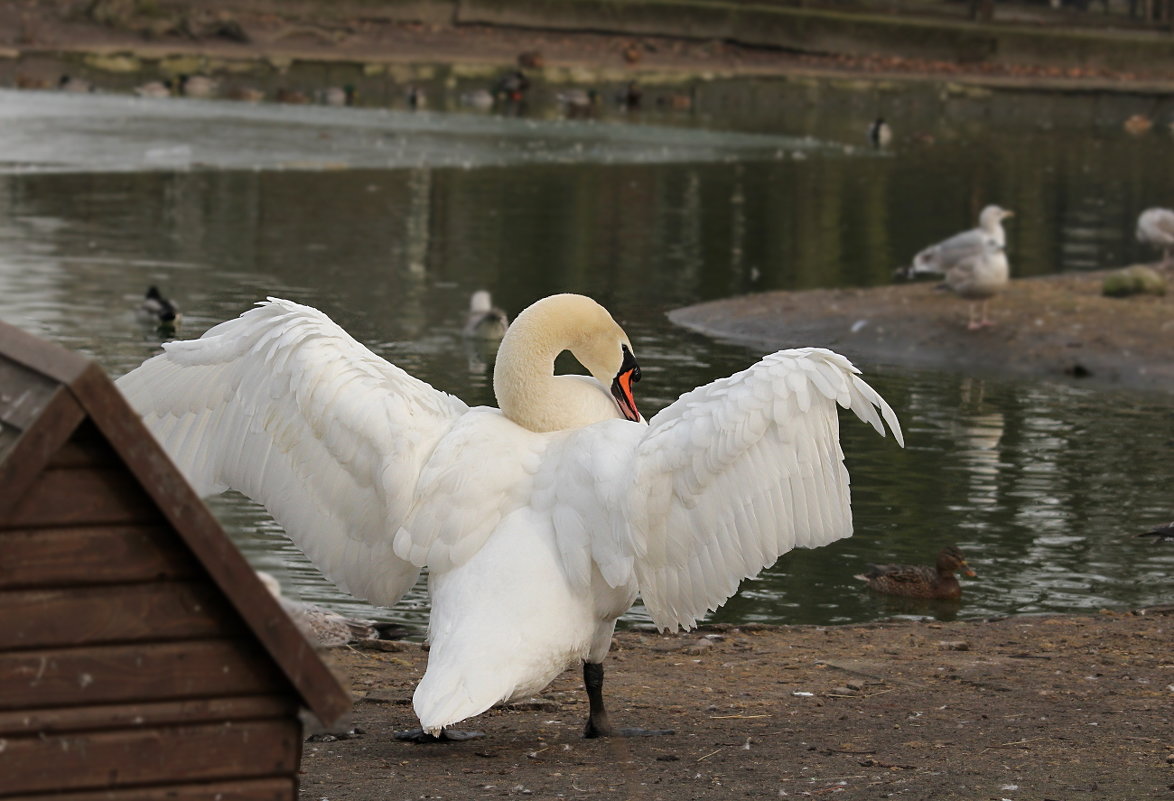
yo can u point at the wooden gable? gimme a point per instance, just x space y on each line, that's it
137 646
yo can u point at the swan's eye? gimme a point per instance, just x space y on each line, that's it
629 364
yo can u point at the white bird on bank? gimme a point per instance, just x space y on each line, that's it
973 262
485 321
1156 227
322 627
540 521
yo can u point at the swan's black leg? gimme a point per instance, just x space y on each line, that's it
598 724
445 736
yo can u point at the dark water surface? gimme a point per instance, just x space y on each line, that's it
388 221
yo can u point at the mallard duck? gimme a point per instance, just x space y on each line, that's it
879 133
158 310
1160 533
1138 124
973 262
322 627
512 86
1156 227
485 321
920 581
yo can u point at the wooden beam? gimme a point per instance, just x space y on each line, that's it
23 463
75 616
281 788
127 716
98 555
96 760
135 673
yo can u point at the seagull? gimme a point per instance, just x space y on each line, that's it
1156 227
879 133
485 321
539 521
323 628
158 310
974 263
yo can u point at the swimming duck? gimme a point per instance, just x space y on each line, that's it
630 97
973 262
512 87
1138 124
920 581
879 133
539 521
1156 227
485 321
158 310
322 627
1164 533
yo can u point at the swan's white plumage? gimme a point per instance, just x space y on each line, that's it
536 540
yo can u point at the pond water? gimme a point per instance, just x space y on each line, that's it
389 220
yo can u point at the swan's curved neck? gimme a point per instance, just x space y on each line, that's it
528 392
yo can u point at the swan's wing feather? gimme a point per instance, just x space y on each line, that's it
284 406
736 473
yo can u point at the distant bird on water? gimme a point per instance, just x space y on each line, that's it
77 85
920 581
1164 533
158 310
197 86
485 321
512 87
1156 227
154 89
973 262
322 627
879 133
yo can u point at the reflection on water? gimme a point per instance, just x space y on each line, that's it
1041 485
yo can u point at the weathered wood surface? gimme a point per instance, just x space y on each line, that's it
122 716
240 749
25 454
138 672
77 497
272 789
76 616
92 555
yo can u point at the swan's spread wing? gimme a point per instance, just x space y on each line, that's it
284 406
740 471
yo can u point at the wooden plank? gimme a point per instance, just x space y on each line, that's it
83 497
85 448
136 673
100 555
282 788
46 358
95 760
24 394
74 616
124 716
24 459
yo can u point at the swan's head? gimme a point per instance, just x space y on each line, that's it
525 362
991 216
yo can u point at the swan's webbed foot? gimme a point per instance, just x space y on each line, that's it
598 723
420 737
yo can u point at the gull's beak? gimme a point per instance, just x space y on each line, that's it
621 386
1008 213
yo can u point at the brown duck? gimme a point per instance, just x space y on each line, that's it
920 581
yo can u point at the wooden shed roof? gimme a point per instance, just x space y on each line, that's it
46 392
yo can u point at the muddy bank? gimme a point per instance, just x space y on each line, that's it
1066 707
1054 327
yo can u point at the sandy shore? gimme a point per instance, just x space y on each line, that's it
1057 327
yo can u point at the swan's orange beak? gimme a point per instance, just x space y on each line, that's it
621 386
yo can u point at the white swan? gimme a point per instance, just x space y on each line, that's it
973 262
539 522
485 321
1156 227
